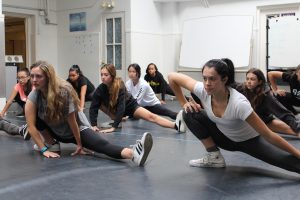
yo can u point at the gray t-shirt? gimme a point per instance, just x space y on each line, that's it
62 127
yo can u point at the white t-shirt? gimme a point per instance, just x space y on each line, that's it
232 124
142 92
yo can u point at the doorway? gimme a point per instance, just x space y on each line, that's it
15 37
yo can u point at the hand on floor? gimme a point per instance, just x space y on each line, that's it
95 128
80 151
49 154
108 130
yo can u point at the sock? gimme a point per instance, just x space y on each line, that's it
176 127
212 149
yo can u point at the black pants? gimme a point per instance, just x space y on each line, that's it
19 101
281 112
289 101
161 110
202 127
168 91
89 139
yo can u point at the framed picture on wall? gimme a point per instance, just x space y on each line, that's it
78 21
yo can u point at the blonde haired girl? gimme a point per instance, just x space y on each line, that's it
52 108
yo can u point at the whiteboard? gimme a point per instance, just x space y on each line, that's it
208 38
284 42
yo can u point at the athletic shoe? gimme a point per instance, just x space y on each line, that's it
24 132
180 122
54 147
142 149
211 159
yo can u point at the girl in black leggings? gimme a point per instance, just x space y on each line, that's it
52 109
228 121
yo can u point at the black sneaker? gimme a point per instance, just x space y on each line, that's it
24 132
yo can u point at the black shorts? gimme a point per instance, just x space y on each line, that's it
131 107
267 118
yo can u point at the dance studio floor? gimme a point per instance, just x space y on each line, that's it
25 174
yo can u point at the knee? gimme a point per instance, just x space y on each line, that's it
191 118
187 116
152 117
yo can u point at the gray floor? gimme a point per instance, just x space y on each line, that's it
27 175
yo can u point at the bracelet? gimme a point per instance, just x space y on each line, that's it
44 149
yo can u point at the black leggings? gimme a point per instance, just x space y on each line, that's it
276 108
90 140
161 110
289 101
202 127
19 101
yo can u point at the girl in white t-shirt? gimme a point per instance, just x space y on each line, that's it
144 94
228 121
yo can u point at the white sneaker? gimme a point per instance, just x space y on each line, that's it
24 132
54 147
142 149
211 159
180 122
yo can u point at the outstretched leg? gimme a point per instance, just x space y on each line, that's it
142 113
9 127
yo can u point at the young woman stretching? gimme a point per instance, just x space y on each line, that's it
291 100
20 91
254 90
228 121
82 85
112 98
269 104
157 82
53 109
144 94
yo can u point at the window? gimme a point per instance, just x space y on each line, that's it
114 40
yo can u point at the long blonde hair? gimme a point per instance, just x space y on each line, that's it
115 87
57 100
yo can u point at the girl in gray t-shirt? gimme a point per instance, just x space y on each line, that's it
52 109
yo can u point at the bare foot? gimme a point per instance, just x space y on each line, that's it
162 102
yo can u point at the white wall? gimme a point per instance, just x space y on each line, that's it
147 34
152 30
2 63
69 53
157 26
44 35
195 10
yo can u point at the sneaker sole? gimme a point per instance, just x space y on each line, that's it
181 123
147 148
209 166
